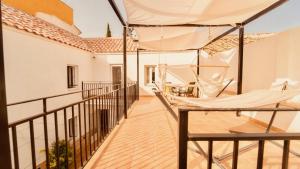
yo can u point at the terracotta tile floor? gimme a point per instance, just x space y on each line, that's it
148 139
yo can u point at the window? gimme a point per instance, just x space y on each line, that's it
72 72
71 121
149 74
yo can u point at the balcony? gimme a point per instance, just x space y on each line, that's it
107 125
148 138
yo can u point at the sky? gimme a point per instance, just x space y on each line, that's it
92 17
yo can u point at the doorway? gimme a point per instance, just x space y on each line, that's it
116 71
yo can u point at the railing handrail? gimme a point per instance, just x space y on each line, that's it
185 136
57 109
97 114
49 97
243 136
187 109
53 96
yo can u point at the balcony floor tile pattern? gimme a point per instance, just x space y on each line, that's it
148 139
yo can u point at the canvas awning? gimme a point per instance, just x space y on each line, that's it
204 20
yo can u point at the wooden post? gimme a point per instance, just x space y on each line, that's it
5 159
138 73
198 68
125 69
182 139
240 60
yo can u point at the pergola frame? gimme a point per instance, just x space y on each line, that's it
239 26
5 159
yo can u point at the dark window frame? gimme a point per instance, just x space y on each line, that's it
71 76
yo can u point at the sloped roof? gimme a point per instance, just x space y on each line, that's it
232 41
23 21
110 45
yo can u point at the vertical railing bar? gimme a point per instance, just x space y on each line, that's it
104 115
46 141
117 105
96 120
85 134
235 154
74 141
46 133
110 111
82 89
66 139
56 140
15 146
210 154
101 118
107 115
93 114
94 88
260 156
114 107
80 139
89 116
285 155
33 157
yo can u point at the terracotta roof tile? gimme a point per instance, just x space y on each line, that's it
232 41
110 45
20 20
23 21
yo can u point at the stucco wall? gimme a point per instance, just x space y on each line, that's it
36 67
268 61
104 62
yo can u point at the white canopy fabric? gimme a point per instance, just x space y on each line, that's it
176 38
172 12
252 99
208 12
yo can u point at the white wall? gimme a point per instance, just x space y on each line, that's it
267 61
36 67
104 62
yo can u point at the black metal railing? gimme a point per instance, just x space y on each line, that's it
103 86
185 137
132 94
72 133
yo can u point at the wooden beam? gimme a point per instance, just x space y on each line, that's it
198 68
182 139
265 11
222 35
5 159
240 60
125 69
117 12
179 25
268 9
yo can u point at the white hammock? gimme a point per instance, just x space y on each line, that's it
186 73
252 99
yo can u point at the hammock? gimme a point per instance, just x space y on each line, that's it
208 86
252 99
